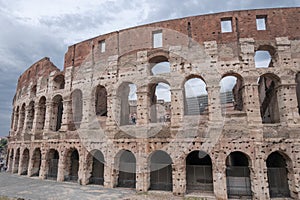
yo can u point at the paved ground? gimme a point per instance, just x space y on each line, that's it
15 186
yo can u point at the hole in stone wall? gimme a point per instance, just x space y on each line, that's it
127 103
298 90
159 65
59 82
263 59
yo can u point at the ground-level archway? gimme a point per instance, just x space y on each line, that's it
238 175
36 162
127 169
97 161
25 162
52 161
160 171
71 165
16 162
199 172
277 175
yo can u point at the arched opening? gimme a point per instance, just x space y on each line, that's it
59 82
25 162
77 107
159 65
277 175
97 173
298 90
199 176
238 175
195 96
160 171
127 170
263 59
41 114
11 159
22 118
126 103
267 88
36 162
57 112
231 93
160 102
16 120
33 91
72 165
101 101
52 161
30 115
17 160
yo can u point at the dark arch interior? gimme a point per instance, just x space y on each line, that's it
127 170
237 159
160 171
198 158
97 174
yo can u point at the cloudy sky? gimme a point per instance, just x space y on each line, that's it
33 29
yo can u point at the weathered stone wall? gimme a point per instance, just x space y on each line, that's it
195 47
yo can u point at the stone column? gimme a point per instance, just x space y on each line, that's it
30 163
259 178
251 104
35 120
177 103
179 178
67 114
49 111
143 106
109 175
214 104
219 179
9 161
44 165
287 103
14 170
142 173
21 161
61 166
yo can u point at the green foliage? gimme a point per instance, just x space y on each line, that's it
3 142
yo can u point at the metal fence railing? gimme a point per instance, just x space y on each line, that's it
199 178
278 182
161 177
238 181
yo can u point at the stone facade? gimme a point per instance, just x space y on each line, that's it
76 124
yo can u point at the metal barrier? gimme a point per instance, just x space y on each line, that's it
238 181
161 178
199 178
278 182
96 180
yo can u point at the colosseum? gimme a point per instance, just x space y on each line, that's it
205 105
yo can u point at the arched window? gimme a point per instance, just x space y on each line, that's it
231 93
238 175
199 172
59 82
160 99
101 101
269 109
41 114
22 117
277 176
57 112
126 103
16 120
265 56
30 115
159 65
195 96
33 91
160 171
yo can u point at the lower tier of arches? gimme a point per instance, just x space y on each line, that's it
246 170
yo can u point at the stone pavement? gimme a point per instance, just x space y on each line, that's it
15 186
